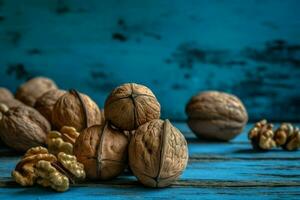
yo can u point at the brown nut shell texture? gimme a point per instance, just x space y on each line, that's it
45 103
24 173
288 137
158 153
7 98
216 115
131 105
103 152
62 141
23 127
76 110
30 91
262 136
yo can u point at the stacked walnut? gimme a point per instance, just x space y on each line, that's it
156 150
263 137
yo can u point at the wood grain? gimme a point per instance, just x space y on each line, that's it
215 170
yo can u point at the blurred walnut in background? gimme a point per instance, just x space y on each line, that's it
287 136
262 136
216 115
7 98
31 90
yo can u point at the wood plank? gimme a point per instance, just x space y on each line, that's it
139 192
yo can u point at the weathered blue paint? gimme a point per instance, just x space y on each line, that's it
177 48
215 170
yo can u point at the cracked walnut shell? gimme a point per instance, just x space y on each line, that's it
158 153
45 103
31 90
131 105
62 141
262 136
216 115
23 127
76 110
288 137
7 98
103 152
24 171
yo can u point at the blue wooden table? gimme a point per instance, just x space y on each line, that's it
215 170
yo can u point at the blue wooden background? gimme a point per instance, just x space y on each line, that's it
248 48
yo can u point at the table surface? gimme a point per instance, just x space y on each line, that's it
215 170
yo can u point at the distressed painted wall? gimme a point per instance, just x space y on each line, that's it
177 48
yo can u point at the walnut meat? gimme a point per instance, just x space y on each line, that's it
49 176
103 152
30 91
62 141
76 110
23 127
24 172
216 115
287 136
131 105
45 103
262 136
158 153
7 98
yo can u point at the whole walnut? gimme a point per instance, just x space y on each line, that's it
216 115
131 105
30 91
76 110
45 103
103 152
23 127
7 98
158 153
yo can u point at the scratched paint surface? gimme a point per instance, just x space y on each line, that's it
177 48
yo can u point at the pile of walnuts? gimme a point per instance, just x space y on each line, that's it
263 137
156 150
127 134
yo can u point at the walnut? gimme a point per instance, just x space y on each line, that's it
24 171
30 91
158 153
103 152
216 115
45 103
62 141
131 105
23 127
49 176
39 166
288 137
262 136
77 110
7 98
